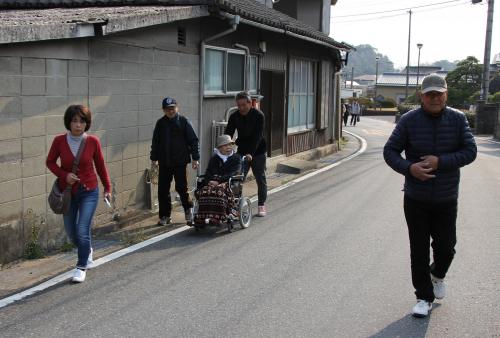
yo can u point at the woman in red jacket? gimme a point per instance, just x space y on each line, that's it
84 185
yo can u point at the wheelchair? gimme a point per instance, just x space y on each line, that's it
239 207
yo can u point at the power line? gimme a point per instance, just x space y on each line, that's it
393 10
400 14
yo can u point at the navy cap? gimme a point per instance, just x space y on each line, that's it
168 102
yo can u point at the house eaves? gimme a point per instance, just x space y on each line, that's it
32 20
253 12
63 23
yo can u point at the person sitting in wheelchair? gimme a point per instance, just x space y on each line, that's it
215 196
224 163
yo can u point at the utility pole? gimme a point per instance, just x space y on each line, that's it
376 75
419 46
408 60
487 51
352 76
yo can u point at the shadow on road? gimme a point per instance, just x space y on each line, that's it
408 326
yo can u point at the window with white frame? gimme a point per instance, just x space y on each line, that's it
253 74
302 95
225 71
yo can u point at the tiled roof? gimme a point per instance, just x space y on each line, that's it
62 23
422 69
247 9
255 11
11 4
399 79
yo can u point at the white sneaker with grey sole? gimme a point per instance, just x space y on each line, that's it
79 276
422 308
439 287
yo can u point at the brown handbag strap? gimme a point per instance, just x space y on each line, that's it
76 162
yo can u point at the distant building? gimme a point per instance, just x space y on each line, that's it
365 80
356 90
393 85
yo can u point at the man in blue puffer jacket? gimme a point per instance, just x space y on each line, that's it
437 141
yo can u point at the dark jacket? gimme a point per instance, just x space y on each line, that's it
174 142
220 171
250 132
446 136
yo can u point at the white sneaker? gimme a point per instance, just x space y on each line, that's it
90 260
78 276
262 211
422 308
439 287
164 221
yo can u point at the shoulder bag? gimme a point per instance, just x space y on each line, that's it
60 201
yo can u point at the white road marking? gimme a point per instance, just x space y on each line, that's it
487 139
67 275
115 255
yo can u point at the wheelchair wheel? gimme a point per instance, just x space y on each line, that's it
245 214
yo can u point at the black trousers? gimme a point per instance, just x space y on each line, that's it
166 174
258 166
354 119
428 221
346 118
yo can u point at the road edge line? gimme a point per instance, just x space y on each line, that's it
122 252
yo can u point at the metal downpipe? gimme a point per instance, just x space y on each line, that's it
234 21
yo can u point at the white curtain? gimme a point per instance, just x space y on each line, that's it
214 70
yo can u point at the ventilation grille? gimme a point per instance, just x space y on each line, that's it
218 128
181 36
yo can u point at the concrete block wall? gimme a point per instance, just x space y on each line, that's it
123 85
32 97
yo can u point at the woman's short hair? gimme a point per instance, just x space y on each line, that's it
243 96
82 111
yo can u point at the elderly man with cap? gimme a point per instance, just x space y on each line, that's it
437 142
173 146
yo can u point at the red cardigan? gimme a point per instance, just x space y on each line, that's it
91 154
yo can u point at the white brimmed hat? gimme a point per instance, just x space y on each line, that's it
434 83
222 140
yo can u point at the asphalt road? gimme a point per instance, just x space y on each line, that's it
331 259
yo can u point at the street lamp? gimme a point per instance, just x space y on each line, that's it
376 75
419 46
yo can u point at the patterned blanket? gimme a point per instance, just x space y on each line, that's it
214 203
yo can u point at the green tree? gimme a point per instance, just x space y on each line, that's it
495 97
464 81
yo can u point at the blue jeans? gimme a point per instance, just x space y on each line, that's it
78 222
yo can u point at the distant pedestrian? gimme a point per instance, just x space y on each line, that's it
249 122
174 145
345 112
83 181
437 141
355 112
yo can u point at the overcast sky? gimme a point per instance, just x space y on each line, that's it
450 31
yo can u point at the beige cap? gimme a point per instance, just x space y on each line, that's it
223 140
434 83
